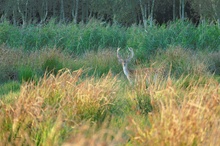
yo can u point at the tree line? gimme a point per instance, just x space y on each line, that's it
124 12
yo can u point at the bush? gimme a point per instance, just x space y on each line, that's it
26 73
51 60
52 65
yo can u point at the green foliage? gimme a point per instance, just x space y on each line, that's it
79 38
12 86
208 36
26 73
5 30
52 64
178 33
144 104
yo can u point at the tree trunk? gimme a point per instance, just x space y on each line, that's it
14 18
75 10
54 9
84 11
143 13
151 13
182 9
23 13
44 11
174 9
62 13
147 8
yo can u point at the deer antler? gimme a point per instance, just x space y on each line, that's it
129 57
118 56
132 54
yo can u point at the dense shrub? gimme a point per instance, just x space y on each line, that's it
26 73
52 65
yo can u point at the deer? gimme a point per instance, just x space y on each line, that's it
133 74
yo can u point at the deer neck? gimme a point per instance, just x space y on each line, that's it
126 72
125 69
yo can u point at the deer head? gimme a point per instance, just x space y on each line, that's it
126 60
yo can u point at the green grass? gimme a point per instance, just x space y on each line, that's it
11 86
80 38
26 73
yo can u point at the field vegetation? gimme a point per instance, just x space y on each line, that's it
63 85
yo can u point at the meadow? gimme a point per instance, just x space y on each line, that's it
63 85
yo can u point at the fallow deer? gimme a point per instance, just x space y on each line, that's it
133 75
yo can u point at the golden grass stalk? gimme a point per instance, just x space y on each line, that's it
45 111
181 116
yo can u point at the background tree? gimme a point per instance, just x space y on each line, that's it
147 11
23 10
43 10
182 9
207 9
74 12
174 9
124 12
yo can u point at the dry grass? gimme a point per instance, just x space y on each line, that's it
9 60
213 62
100 62
65 109
181 116
55 105
73 108
182 61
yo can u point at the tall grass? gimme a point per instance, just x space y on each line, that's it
95 104
44 113
25 66
70 109
79 38
75 38
21 66
181 116
84 98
